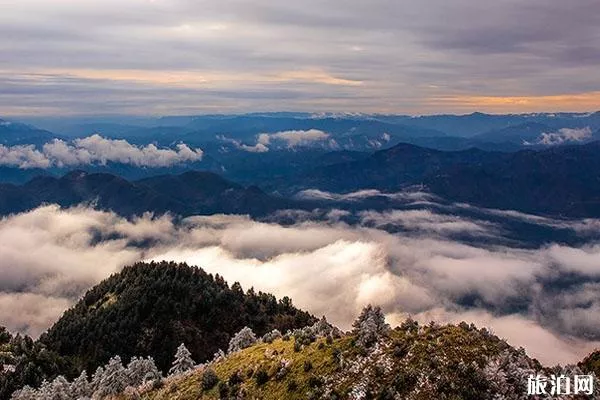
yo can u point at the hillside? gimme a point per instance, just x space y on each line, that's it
318 361
149 309
411 361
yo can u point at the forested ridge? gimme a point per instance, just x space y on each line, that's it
149 309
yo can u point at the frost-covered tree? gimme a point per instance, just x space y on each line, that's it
243 339
141 370
81 387
45 390
218 356
59 389
507 374
370 326
269 337
322 328
96 378
183 361
113 380
26 393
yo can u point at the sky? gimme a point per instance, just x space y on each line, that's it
158 57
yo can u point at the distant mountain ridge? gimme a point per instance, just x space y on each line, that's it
560 180
185 194
15 133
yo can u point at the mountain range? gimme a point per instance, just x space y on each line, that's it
560 181
190 193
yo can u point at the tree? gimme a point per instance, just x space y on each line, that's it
183 361
271 336
96 378
114 379
27 393
141 370
241 340
370 326
81 387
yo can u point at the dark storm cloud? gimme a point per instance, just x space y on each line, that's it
408 56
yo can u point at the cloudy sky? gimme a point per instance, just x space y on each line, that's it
392 56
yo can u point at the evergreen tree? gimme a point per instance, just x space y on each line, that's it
96 378
59 389
241 340
114 379
81 387
27 393
141 370
370 326
183 361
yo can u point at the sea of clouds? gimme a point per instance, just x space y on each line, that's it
95 149
546 299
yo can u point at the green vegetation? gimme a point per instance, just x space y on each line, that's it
25 362
150 309
411 361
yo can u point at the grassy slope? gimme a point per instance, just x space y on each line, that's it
434 356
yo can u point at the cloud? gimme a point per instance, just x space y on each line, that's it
289 140
565 135
426 221
257 148
405 196
294 138
23 157
95 150
384 56
547 299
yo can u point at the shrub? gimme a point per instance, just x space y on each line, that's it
223 390
261 376
271 336
307 365
314 382
292 385
236 378
209 379
241 340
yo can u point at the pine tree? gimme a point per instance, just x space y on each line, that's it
96 378
45 390
241 340
81 387
370 326
27 393
183 361
141 370
114 379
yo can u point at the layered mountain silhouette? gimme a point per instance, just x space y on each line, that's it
14 133
185 194
561 180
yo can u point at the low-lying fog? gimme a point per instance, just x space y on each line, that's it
425 261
